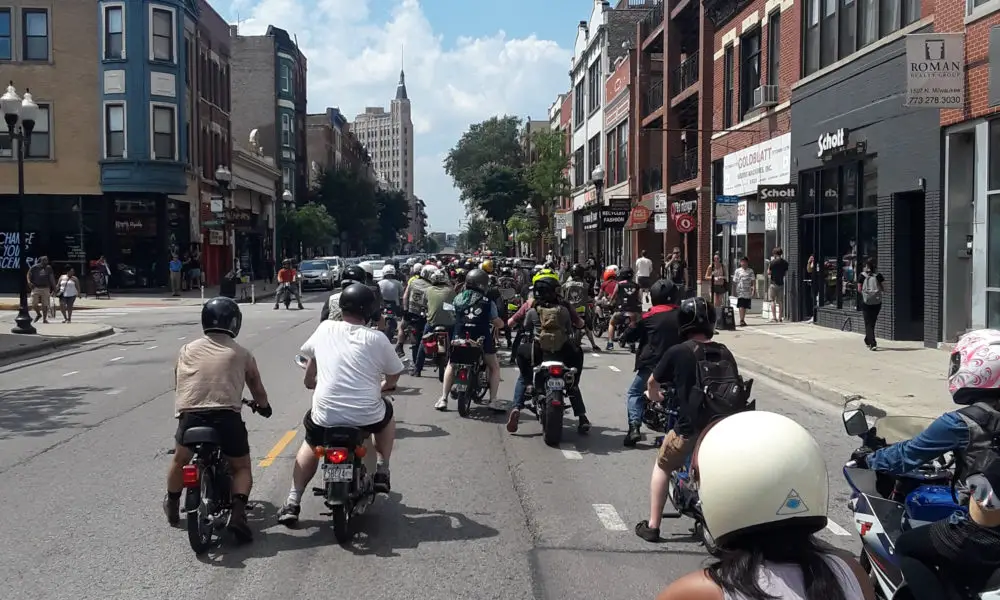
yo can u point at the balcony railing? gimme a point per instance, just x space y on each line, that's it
654 97
651 180
651 21
684 75
684 167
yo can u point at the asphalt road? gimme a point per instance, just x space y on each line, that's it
475 513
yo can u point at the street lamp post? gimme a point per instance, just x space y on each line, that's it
224 178
287 202
19 114
598 178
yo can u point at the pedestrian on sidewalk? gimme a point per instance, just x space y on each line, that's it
716 274
41 282
677 271
643 272
871 285
746 288
176 266
776 271
68 290
194 271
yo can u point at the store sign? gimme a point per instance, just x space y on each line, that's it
749 218
10 250
769 162
771 216
660 222
831 143
935 70
591 220
619 81
639 217
777 193
613 218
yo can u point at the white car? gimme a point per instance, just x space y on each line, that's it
374 267
336 267
316 273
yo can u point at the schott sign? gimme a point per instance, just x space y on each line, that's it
777 193
831 142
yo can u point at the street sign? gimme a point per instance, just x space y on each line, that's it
726 210
727 199
212 224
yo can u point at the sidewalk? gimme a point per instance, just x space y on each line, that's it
261 290
49 337
900 378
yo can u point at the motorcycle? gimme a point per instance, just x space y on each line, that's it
436 347
471 374
885 506
389 315
208 484
546 397
285 294
348 465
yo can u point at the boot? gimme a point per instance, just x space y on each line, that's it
633 436
238 521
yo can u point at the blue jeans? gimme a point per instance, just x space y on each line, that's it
421 356
519 392
635 403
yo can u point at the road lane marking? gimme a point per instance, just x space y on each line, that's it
115 392
183 337
609 517
595 355
116 359
614 368
572 455
277 449
152 348
836 529
251 334
70 373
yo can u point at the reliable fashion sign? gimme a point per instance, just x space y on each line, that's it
768 162
935 70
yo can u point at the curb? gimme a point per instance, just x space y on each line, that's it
54 344
15 306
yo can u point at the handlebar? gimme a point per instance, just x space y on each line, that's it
265 412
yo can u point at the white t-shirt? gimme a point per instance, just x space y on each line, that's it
643 267
350 361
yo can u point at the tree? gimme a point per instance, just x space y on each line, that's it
392 219
524 229
547 178
309 225
499 191
350 199
430 245
477 230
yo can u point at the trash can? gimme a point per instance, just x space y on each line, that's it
227 287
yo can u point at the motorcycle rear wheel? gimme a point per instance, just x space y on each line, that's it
463 403
198 527
705 537
552 424
342 524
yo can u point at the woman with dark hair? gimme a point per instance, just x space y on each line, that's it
763 488
870 286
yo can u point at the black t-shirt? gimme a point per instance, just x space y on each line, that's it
656 332
676 271
678 366
778 268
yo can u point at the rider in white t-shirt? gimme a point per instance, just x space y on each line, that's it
347 361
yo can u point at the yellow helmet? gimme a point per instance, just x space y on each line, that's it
545 274
487 266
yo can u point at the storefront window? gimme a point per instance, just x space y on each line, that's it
992 258
994 182
849 191
869 186
830 191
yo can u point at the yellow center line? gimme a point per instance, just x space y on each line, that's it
276 450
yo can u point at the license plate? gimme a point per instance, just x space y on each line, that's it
555 384
460 387
337 473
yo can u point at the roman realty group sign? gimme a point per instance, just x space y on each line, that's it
935 70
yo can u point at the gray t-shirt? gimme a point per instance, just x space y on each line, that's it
41 277
392 290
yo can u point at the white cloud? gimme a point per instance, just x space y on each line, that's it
354 62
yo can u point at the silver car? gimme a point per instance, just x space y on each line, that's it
316 274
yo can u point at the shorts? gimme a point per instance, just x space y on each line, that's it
674 451
743 303
314 433
40 294
643 282
67 301
775 293
227 423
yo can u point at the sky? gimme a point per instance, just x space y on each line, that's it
465 61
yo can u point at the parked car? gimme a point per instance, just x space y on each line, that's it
316 274
336 267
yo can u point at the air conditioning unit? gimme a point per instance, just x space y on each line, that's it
765 95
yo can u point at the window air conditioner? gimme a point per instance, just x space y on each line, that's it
765 95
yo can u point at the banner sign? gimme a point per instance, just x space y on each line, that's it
935 70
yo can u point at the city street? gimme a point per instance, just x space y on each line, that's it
475 512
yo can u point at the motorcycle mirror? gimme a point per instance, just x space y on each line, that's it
855 422
301 361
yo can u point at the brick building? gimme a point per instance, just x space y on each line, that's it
970 285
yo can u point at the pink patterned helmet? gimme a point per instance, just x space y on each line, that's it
975 365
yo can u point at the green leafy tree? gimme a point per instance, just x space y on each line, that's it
477 230
351 200
393 218
309 225
524 228
499 191
546 177
493 141
430 245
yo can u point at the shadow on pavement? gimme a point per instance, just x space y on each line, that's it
601 441
422 431
38 410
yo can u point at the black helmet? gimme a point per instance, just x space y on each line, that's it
625 274
353 274
697 315
478 280
546 289
663 292
221 315
357 299
577 272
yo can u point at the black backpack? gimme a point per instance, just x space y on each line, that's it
721 390
628 293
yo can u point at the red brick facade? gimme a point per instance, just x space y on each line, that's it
950 17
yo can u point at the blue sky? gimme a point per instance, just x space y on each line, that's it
465 61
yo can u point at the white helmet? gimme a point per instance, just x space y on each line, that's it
428 271
388 271
760 468
367 266
415 269
974 365
439 276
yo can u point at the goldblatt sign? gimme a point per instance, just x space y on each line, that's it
935 70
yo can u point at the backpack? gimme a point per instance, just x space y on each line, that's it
721 389
418 298
470 306
628 293
552 337
870 292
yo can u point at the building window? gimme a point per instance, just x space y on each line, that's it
835 29
287 179
162 47
844 234
972 5
286 131
617 158
811 44
727 83
593 154
749 70
774 48
848 28
286 78
114 32
579 167
36 34
114 131
578 105
164 132
595 84
5 35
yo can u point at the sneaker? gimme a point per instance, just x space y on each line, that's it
441 404
633 436
237 523
583 424
512 419
610 346
382 481
289 515
172 508
643 530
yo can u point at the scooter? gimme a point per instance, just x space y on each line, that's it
471 373
885 506
552 382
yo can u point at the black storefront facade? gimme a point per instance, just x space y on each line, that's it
868 173
604 228
135 233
